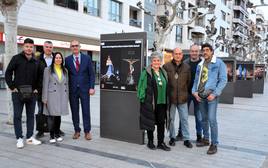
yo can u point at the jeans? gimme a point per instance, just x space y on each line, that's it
209 119
18 109
197 114
183 114
54 126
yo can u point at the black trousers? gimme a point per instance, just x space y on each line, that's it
54 126
160 116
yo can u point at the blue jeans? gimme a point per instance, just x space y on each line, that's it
209 119
197 114
18 108
183 114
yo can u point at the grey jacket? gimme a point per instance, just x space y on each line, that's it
55 93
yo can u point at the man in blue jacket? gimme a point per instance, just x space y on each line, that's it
210 79
81 85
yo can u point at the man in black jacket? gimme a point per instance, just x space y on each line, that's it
45 60
23 77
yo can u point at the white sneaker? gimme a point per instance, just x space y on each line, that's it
33 141
20 143
52 141
59 139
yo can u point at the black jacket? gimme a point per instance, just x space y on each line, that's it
21 71
147 108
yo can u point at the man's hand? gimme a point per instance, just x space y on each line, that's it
45 102
211 97
91 92
197 97
14 90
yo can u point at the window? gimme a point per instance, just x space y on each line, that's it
92 7
223 15
180 14
178 34
42 0
150 27
222 31
72 4
115 11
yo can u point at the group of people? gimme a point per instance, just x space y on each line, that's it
52 81
163 90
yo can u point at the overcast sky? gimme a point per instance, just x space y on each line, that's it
264 8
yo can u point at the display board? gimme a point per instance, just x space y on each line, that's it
122 58
120 64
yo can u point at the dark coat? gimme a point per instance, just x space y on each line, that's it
84 78
147 107
178 88
24 71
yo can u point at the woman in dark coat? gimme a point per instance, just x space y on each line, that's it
152 93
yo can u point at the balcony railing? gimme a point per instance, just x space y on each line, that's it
134 22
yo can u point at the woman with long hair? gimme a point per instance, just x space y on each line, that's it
55 95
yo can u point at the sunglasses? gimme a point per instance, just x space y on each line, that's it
75 45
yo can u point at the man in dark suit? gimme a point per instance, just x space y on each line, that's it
45 61
81 85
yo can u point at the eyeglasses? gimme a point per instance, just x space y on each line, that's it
74 46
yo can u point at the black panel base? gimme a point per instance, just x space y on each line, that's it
119 117
227 95
244 88
258 86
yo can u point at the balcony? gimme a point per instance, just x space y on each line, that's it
241 8
240 21
134 22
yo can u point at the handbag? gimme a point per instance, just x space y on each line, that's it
25 92
205 94
41 122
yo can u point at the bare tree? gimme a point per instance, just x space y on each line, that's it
166 17
10 10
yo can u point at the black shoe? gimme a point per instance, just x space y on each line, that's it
151 145
204 142
62 133
163 146
179 137
188 144
199 140
172 142
39 135
212 149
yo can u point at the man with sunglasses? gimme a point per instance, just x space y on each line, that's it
81 86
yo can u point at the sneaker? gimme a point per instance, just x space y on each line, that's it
212 149
172 142
39 135
188 144
52 141
59 139
204 142
163 146
151 145
20 143
179 137
33 141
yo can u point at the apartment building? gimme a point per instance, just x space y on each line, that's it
64 20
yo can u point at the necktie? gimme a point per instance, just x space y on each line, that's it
77 64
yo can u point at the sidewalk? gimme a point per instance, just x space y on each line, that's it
243 136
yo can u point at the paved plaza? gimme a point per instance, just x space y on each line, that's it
243 136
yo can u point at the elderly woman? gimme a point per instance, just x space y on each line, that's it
152 93
55 95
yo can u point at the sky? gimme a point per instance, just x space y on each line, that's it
264 8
